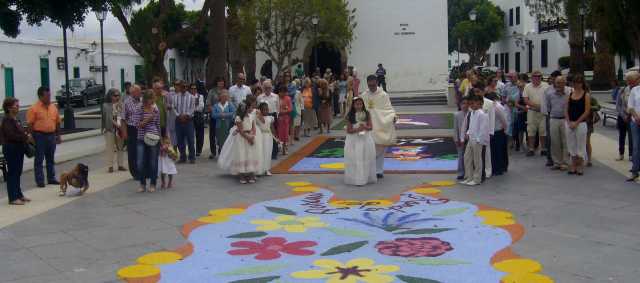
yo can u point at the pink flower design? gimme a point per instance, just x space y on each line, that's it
271 248
414 247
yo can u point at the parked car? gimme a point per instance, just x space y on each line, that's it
83 91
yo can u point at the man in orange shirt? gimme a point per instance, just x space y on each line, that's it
44 123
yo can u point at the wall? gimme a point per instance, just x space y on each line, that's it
414 62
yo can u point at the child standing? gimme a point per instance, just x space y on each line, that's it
245 156
166 163
359 147
458 134
265 125
477 138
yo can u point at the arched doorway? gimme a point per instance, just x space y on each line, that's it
327 57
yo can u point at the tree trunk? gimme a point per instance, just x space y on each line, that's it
576 37
250 64
604 66
154 67
217 36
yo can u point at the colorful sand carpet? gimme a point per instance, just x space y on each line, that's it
415 155
312 236
421 121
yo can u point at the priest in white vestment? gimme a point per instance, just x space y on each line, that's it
383 119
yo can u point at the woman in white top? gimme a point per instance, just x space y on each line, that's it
359 147
265 124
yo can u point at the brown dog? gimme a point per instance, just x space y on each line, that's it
77 178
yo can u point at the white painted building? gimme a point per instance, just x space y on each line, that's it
409 37
531 45
26 64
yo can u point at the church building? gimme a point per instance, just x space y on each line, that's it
408 37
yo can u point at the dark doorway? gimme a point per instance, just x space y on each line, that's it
328 57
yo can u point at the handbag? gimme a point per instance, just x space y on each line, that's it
29 150
151 139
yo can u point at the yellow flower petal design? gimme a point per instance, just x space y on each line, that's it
327 263
309 219
427 191
335 166
159 258
214 219
346 203
226 211
283 218
298 184
385 268
377 278
310 274
295 228
362 263
335 278
269 227
378 202
521 265
526 278
446 183
496 218
315 224
307 189
138 271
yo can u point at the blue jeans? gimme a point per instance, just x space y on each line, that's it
14 154
147 163
635 132
185 133
45 150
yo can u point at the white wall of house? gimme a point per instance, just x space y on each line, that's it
24 56
409 37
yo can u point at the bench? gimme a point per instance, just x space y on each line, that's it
608 113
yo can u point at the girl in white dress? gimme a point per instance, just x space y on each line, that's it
265 124
246 157
359 147
166 162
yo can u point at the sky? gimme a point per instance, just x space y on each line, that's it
90 30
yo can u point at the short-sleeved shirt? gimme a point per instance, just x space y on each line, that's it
272 100
43 118
238 94
153 126
634 101
535 94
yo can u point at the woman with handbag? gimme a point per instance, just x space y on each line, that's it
113 133
148 119
15 144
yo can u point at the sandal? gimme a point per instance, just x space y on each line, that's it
152 189
142 190
17 202
25 199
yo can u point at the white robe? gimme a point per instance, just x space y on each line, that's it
382 116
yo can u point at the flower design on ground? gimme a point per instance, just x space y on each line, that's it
355 270
389 222
271 248
289 223
414 247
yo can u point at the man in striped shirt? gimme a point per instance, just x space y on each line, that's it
184 105
131 105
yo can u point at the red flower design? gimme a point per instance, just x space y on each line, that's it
271 247
414 247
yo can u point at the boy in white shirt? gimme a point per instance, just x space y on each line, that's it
477 138
459 133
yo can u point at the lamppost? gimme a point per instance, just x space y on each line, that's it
582 11
102 15
314 20
473 15
69 120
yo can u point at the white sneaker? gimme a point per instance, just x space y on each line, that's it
472 183
464 182
268 173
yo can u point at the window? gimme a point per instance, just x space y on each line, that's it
122 80
518 15
172 70
44 72
511 17
488 59
501 61
449 63
76 72
544 53
517 62
139 74
506 62
9 90
497 60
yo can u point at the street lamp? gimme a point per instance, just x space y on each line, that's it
582 11
102 15
69 120
473 15
315 20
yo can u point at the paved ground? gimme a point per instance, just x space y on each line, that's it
582 229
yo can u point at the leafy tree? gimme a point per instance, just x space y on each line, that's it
280 24
65 14
475 37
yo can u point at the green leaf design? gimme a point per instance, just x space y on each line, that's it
347 248
451 211
436 261
424 231
330 153
251 270
257 280
348 232
247 235
410 279
280 210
